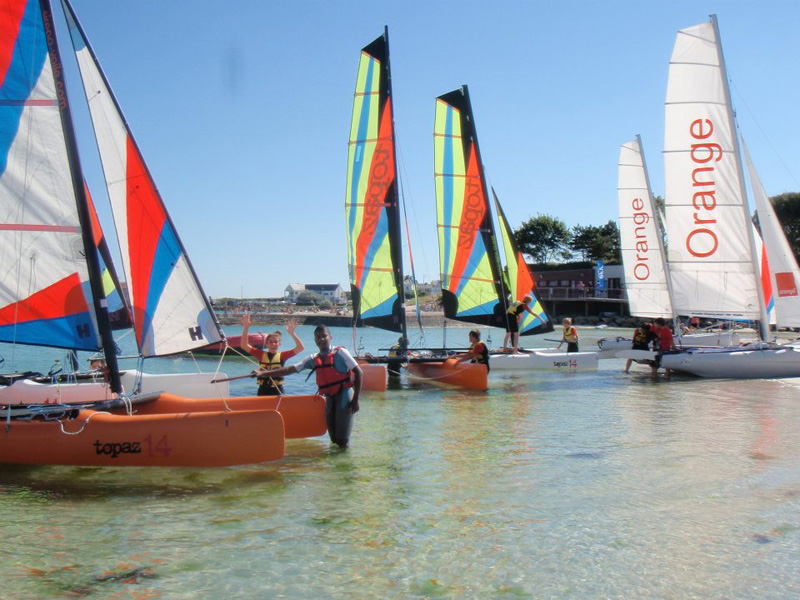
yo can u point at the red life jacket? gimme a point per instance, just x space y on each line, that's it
330 381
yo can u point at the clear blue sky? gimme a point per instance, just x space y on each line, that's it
242 111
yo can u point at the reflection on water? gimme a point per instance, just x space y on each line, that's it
588 485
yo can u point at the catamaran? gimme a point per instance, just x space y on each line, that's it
51 253
712 252
474 284
647 277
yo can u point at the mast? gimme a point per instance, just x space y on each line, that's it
395 235
660 237
763 329
472 285
175 239
487 227
372 217
98 297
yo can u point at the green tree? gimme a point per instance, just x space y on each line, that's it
544 238
787 209
307 298
594 242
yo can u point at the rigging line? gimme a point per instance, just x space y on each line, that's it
401 176
764 133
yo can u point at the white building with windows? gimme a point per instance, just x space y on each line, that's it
329 291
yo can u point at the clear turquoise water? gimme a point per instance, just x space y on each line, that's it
590 485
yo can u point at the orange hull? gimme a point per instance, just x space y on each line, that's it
303 416
374 377
197 439
471 376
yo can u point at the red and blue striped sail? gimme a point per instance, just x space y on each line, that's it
520 281
374 254
472 289
45 297
170 312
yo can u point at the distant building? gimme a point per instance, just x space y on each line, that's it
433 288
329 291
580 283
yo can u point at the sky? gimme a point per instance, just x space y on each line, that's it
242 109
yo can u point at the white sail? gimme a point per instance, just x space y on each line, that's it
170 311
642 248
710 256
44 297
784 273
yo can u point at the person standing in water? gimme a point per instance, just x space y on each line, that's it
270 358
570 336
338 380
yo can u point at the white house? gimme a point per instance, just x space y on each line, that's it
329 291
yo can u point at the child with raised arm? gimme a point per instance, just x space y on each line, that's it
270 358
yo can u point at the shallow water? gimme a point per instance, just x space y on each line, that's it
588 485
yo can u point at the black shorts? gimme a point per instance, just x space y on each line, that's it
512 324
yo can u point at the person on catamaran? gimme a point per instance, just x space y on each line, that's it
270 358
478 351
570 336
513 317
666 343
338 380
641 341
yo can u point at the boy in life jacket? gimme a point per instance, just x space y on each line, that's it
570 336
641 341
338 380
478 352
513 317
269 358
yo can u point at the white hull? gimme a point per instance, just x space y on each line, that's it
741 363
190 385
609 347
544 361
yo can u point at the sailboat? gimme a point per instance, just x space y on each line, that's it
712 251
374 243
474 289
48 243
647 280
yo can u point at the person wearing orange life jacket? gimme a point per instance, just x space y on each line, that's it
570 336
478 352
269 358
338 380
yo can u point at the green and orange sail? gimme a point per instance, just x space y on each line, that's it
520 281
374 243
473 288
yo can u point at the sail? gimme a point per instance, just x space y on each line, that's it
765 276
45 297
170 311
520 282
119 314
646 274
374 255
711 253
784 275
472 289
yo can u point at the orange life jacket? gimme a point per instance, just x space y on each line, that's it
330 381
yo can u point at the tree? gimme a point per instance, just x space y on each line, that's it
597 242
544 238
306 298
787 209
